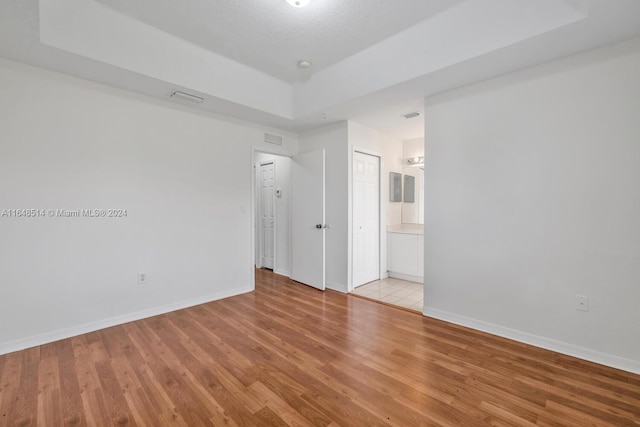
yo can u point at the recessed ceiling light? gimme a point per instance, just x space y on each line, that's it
412 115
298 3
304 64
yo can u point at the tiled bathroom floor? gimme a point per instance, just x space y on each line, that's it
394 291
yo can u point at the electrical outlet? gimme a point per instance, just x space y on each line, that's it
142 278
582 303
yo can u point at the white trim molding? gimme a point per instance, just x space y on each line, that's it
280 272
337 287
407 277
536 340
60 334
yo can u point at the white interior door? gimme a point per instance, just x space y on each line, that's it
366 218
267 215
308 219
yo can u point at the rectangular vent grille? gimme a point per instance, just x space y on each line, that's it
186 97
272 139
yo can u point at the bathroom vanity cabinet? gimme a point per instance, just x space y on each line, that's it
406 252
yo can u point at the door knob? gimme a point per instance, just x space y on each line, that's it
318 225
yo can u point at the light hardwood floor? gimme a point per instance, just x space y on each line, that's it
287 354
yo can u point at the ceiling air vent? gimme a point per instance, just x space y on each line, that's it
183 96
412 115
270 138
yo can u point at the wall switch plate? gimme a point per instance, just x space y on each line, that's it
582 303
142 278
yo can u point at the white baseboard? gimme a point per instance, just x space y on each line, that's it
337 287
48 337
408 277
282 272
536 340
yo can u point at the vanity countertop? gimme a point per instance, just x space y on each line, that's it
406 228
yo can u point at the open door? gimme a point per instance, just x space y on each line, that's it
308 219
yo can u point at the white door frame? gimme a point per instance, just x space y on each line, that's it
381 222
258 213
252 224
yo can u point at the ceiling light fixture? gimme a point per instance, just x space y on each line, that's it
418 160
412 115
298 3
304 64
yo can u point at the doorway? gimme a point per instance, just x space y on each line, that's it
298 234
271 212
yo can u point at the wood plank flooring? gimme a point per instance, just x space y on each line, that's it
290 355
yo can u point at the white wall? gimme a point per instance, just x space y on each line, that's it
533 197
333 138
282 209
390 150
412 148
182 175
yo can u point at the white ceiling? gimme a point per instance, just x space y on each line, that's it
373 60
272 36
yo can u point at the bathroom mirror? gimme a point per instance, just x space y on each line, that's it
409 189
413 201
395 187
